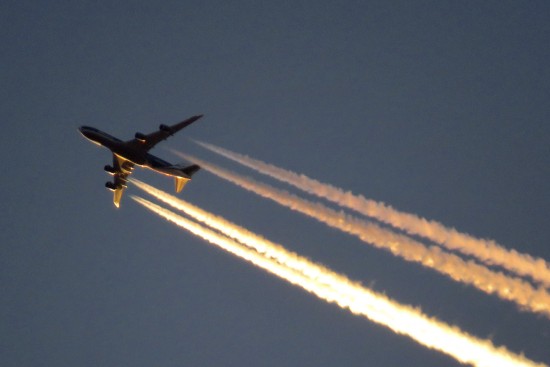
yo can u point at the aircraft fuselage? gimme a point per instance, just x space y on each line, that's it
131 152
127 154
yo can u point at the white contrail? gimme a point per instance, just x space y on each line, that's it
487 251
404 320
451 265
268 249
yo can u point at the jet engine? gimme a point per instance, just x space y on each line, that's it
110 169
166 128
141 137
111 186
127 166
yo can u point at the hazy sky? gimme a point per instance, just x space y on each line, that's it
436 108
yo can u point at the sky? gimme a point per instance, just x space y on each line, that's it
437 108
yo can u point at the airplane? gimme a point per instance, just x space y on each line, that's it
126 154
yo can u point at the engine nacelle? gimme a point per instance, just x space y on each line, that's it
127 166
111 186
110 169
166 128
141 137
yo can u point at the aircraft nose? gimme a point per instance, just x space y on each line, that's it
84 131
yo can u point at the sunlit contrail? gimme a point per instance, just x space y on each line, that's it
487 251
359 300
468 272
268 249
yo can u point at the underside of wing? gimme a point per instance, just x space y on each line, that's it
121 169
164 132
117 195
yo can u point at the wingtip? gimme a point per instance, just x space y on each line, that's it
116 198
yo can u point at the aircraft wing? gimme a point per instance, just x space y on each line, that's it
163 133
122 169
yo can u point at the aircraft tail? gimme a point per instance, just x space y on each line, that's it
188 173
191 170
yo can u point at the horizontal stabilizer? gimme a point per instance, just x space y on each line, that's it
180 183
191 170
188 172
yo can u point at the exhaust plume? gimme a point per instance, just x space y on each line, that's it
487 251
401 319
451 265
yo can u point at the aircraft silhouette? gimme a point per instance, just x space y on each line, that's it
126 154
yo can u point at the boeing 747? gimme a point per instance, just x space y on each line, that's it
126 154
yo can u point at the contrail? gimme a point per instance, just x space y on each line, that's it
468 272
261 245
487 251
401 319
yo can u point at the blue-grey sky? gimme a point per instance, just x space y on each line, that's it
437 108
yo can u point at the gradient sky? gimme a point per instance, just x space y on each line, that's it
436 108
